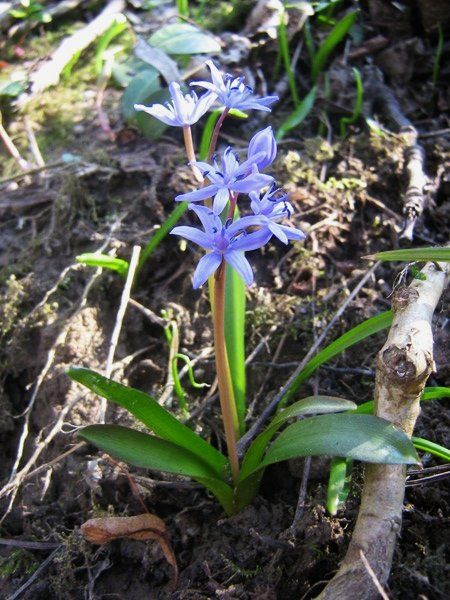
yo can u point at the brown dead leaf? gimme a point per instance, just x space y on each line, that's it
141 527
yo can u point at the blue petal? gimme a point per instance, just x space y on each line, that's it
220 200
197 195
252 241
206 267
278 232
211 222
193 235
243 223
238 261
252 183
292 233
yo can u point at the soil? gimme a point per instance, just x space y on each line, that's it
347 194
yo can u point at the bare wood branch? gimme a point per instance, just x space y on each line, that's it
404 364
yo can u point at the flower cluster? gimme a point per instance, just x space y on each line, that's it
227 239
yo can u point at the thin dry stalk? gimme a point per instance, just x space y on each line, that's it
404 364
118 323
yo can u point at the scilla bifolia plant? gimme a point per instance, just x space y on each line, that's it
231 226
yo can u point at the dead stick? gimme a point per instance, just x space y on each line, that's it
48 74
118 324
404 364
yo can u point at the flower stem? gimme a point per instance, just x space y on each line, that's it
190 152
215 135
227 403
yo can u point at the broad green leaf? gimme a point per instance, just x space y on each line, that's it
12 88
235 339
149 452
348 339
104 261
359 437
413 254
160 234
140 88
151 414
183 38
123 72
150 127
338 483
431 448
157 59
249 479
335 36
298 115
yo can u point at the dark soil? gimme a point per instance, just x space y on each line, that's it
120 193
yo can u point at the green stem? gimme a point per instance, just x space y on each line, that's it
227 403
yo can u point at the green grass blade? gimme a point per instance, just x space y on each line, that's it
235 339
359 437
338 483
431 448
91 259
207 133
151 414
283 49
430 393
298 115
438 55
358 104
413 254
350 338
161 233
335 36
183 8
116 28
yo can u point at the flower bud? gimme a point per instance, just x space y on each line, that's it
263 141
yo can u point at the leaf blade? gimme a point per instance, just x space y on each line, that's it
359 437
154 416
413 254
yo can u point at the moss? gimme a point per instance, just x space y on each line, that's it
19 562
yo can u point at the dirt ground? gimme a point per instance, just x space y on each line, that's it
56 313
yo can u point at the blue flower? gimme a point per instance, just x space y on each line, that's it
263 141
269 210
226 242
232 92
185 110
227 177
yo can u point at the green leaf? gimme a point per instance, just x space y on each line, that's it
413 254
359 437
298 115
160 234
118 25
149 452
91 259
358 104
429 393
140 88
182 38
123 72
338 483
431 448
335 36
151 414
235 338
249 479
348 339
12 88
207 133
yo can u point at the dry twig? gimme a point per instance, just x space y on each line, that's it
404 364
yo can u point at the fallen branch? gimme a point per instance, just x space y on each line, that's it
49 72
381 97
404 364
